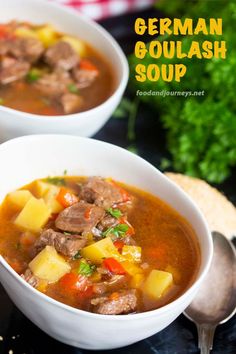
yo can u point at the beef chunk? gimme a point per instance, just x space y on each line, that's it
68 245
80 217
12 70
106 222
29 49
117 303
100 192
84 78
54 84
113 284
70 102
30 278
61 55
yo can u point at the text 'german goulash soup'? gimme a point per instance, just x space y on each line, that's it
98 245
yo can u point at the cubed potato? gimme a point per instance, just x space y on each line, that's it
131 268
78 45
137 280
50 199
49 265
41 188
100 250
34 215
47 35
157 283
132 253
25 32
19 198
49 193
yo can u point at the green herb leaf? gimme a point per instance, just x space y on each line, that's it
86 269
73 88
116 213
33 75
58 181
118 231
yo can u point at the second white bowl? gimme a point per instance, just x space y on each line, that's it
25 159
14 123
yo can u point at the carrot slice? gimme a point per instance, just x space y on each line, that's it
86 64
66 198
72 282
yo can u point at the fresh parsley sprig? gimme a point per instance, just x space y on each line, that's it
116 213
118 231
86 268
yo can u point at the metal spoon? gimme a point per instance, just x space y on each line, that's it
215 302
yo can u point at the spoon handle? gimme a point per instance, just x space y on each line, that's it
205 337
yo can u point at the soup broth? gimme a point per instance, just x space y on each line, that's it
134 252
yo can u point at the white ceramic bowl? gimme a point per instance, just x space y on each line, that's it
14 123
27 158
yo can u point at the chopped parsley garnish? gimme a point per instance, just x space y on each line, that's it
33 75
118 231
116 213
77 256
73 88
58 181
86 269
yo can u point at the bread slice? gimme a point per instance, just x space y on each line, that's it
220 213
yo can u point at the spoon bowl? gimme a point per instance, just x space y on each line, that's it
215 302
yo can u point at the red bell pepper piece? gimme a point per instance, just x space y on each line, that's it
119 244
113 266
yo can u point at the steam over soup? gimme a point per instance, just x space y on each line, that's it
46 72
98 245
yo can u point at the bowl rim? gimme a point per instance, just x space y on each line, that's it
159 311
114 45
